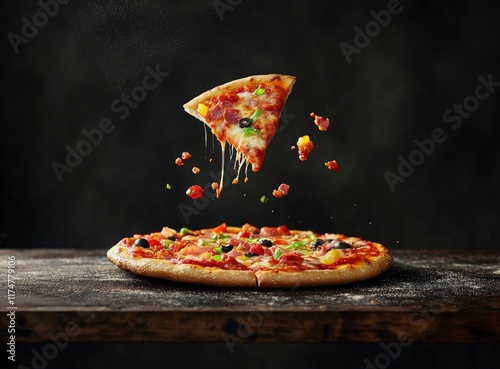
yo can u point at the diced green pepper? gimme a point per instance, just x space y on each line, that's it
216 257
168 186
167 243
255 114
219 236
277 254
260 91
263 199
249 131
185 230
218 250
297 245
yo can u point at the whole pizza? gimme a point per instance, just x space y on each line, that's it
249 256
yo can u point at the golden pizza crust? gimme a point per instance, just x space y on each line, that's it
185 273
188 273
191 106
327 277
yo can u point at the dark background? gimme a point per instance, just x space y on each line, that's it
394 91
65 79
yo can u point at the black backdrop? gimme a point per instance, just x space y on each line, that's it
384 83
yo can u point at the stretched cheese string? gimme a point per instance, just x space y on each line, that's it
223 148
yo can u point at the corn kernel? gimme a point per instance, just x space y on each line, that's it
202 109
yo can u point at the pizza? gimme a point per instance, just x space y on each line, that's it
248 256
244 113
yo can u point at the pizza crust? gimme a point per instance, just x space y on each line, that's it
191 106
186 273
309 278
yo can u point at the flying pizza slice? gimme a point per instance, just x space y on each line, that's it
245 113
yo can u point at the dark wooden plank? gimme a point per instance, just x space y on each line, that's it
426 296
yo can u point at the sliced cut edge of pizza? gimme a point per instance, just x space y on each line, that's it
245 113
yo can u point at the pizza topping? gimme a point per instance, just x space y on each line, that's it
318 242
305 146
260 91
179 162
202 109
226 247
341 245
195 192
332 165
322 123
245 122
185 155
249 131
331 256
255 115
281 191
265 242
214 186
263 199
251 248
141 242
231 115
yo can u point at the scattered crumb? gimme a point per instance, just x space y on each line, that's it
305 146
332 165
281 191
322 123
293 147
195 170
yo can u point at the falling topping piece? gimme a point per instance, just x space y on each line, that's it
305 146
195 170
332 165
322 123
179 162
281 191
195 192
185 155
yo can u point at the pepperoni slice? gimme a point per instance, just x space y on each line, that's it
215 112
232 116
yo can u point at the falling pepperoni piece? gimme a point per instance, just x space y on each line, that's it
281 191
179 162
332 165
185 155
195 192
322 123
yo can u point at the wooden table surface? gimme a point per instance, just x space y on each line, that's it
426 296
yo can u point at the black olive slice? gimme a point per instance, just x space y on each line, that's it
141 242
245 122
